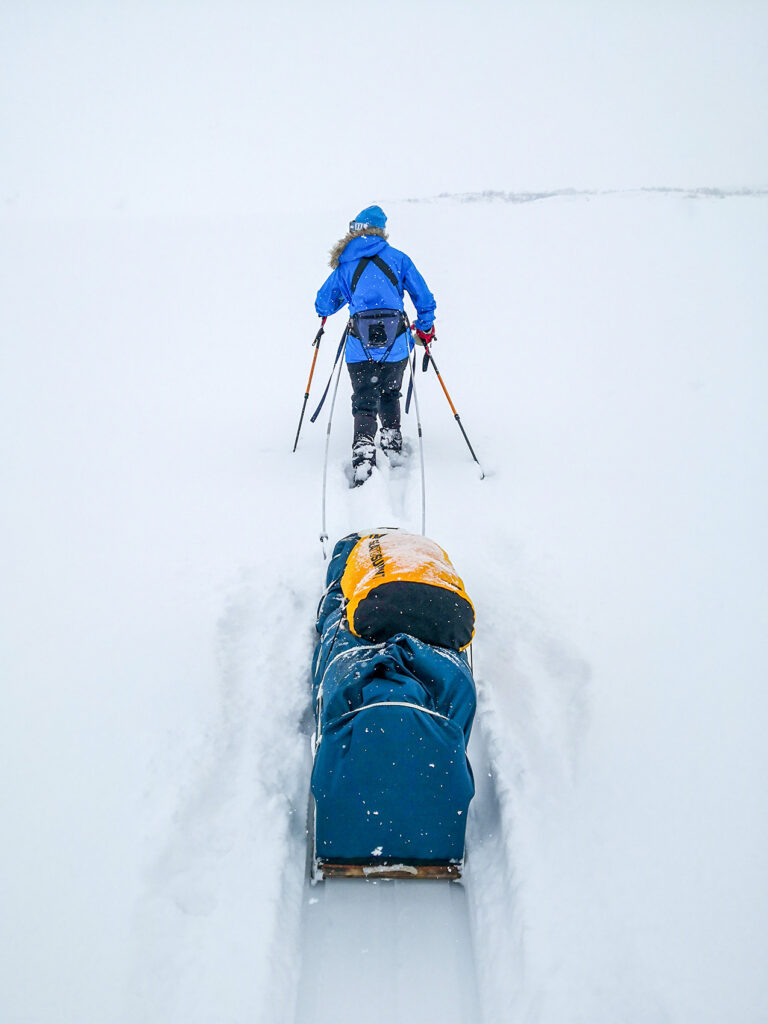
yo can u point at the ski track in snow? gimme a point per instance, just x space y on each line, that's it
448 952
454 952
225 859
400 949
207 887
531 721
391 497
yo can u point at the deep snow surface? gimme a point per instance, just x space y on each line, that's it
161 238
164 566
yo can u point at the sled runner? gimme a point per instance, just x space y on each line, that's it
394 704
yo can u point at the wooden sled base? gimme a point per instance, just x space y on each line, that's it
323 869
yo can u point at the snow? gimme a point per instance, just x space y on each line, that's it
584 190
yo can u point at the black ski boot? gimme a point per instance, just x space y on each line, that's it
363 460
391 440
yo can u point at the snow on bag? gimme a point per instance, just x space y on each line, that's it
397 582
391 780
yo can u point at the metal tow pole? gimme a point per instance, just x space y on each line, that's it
324 531
412 390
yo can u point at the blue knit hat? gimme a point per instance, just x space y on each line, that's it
370 217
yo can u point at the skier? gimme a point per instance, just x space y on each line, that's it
370 276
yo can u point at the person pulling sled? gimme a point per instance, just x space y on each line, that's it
371 276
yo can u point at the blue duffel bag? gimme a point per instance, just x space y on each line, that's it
391 780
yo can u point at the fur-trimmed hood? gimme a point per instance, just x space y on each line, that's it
342 243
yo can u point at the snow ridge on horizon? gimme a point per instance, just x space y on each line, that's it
495 195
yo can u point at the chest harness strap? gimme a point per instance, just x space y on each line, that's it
377 262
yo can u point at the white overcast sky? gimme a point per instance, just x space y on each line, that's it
235 107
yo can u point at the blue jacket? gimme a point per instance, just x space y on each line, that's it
375 291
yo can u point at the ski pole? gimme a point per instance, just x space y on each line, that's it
453 408
316 346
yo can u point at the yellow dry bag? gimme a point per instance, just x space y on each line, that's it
397 582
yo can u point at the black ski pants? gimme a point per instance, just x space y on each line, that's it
375 391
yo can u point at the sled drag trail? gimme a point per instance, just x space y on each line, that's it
391 497
399 950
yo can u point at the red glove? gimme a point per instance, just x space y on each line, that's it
425 337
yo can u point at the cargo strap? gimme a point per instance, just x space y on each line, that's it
356 711
394 704
377 262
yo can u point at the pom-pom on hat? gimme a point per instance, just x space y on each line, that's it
370 217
